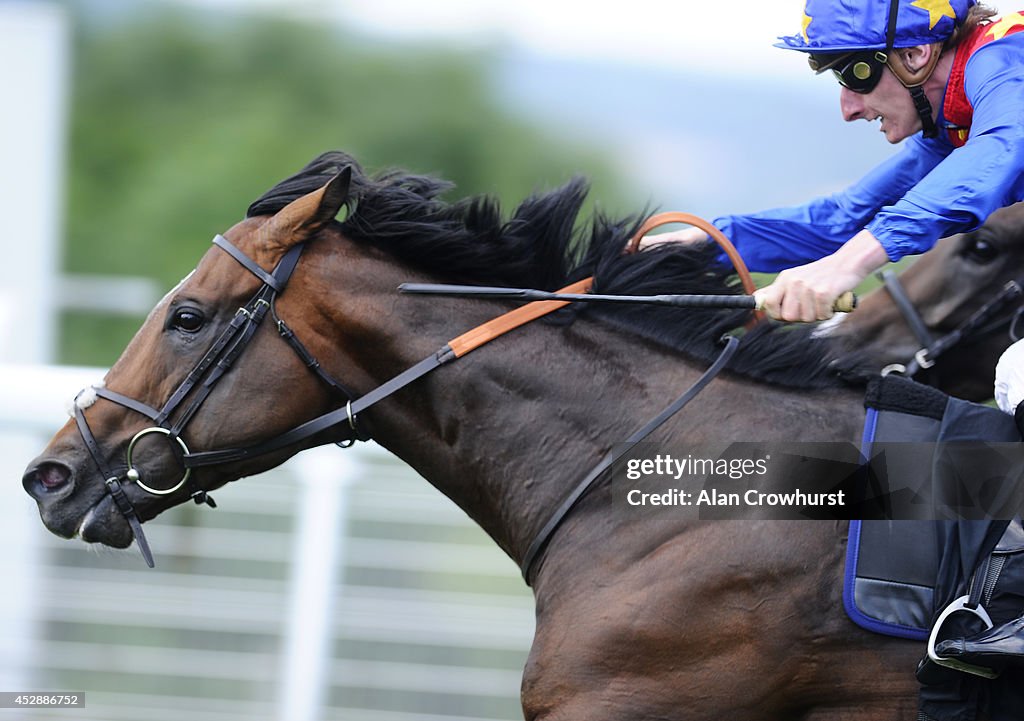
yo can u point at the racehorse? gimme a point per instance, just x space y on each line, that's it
637 619
947 286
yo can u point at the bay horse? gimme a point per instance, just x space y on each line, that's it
947 286
635 619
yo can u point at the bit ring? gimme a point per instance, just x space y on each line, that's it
133 475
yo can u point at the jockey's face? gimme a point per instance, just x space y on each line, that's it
890 103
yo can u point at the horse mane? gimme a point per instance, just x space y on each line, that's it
540 246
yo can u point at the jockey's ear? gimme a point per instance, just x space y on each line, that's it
915 64
304 217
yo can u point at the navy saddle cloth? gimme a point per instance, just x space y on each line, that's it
893 568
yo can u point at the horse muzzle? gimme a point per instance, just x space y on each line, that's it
70 506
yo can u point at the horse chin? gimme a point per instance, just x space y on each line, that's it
104 524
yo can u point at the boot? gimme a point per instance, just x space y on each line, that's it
998 646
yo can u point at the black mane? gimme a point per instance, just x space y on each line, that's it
539 247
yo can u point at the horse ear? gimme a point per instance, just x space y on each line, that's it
309 214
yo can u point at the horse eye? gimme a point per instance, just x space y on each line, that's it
188 320
981 251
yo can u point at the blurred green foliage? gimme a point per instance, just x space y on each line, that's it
180 119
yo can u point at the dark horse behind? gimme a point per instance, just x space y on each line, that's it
635 619
960 281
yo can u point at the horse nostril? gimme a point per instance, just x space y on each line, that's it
50 475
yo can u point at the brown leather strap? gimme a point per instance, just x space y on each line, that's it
724 243
473 339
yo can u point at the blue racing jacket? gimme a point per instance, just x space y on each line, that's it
928 190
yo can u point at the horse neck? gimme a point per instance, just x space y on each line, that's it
508 430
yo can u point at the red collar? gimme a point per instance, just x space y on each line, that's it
956 108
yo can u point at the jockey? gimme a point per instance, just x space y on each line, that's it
948 79
940 75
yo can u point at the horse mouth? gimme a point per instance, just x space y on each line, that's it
92 517
102 523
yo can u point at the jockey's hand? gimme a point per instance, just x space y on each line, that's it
807 293
1009 390
686 236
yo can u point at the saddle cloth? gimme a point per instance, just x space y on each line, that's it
893 567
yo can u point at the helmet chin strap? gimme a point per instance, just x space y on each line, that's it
913 82
924 111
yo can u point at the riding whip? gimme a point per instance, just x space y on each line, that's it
843 304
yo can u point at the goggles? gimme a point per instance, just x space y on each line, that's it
858 71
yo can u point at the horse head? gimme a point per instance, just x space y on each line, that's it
130 438
947 286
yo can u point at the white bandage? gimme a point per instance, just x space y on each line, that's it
85 398
1009 390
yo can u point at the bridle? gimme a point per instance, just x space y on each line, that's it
983 323
173 417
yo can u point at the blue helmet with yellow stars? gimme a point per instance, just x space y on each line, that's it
838 26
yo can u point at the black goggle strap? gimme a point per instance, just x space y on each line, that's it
890 30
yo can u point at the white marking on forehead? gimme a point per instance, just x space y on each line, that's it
85 398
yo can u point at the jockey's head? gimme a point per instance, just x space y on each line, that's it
858 39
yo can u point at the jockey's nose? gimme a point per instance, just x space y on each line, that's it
851 104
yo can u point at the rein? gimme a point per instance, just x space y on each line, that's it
716 235
556 518
221 356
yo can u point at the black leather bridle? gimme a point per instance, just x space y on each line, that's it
984 322
172 418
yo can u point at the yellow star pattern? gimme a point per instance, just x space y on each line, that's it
1005 25
937 9
806 22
